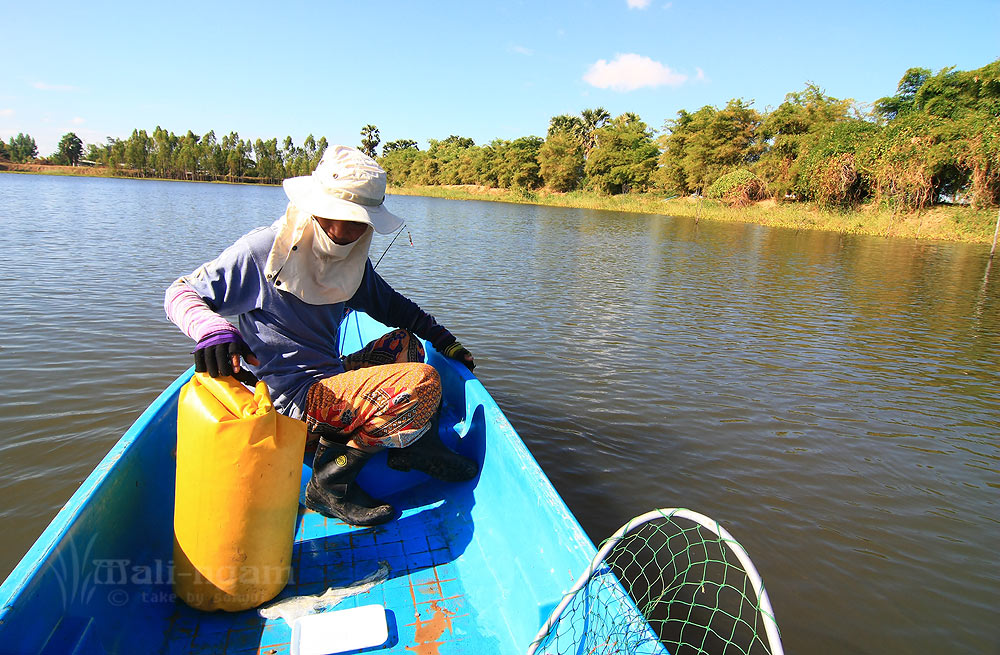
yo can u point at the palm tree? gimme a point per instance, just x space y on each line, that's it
564 123
370 140
593 120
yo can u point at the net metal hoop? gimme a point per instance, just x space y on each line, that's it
713 526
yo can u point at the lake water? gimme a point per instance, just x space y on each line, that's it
834 401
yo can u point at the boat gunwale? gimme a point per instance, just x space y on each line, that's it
43 547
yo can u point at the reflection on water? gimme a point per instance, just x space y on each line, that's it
831 399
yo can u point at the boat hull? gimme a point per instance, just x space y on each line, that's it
472 567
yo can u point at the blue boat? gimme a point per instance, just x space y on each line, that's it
473 567
486 566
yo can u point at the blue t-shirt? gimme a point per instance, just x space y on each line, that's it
296 343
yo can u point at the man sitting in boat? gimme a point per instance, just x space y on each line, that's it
289 284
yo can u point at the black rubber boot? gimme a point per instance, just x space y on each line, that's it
333 492
429 455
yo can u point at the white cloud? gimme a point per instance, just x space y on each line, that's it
6 112
78 121
637 4
521 50
700 75
43 86
629 72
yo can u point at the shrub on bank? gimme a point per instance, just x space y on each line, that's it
738 188
833 177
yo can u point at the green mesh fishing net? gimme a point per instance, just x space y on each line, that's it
669 581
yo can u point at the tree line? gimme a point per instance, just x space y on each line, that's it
936 139
163 154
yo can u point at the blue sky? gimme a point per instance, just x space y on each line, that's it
424 70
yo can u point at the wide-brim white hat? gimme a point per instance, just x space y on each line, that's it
347 185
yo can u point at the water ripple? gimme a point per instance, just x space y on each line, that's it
831 399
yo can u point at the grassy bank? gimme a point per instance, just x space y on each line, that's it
102 171
44 169
945 222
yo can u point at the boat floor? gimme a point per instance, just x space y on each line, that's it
426 607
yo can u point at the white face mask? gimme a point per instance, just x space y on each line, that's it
306 262
325 247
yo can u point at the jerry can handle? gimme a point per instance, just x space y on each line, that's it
246 377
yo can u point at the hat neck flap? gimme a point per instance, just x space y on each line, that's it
307 263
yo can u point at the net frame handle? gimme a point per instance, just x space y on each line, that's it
713 526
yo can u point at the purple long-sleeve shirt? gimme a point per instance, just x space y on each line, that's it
296 343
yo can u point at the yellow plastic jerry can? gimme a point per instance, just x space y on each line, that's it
238 469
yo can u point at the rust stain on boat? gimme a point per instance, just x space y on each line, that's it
428 632
433 587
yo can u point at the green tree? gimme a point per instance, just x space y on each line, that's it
560 161
164 145
293 158
624 156
399 164
959 94
514 163
593 120
189 155
425 169
701 147
70 148
115 149
137 150
22 148
237 155
490 162
891 107
309 153
451 166
370 140
941 139
95 153
268 159
908 162
566 124
321 147
471 164
458 141
791 129
677 132
213 157
399 144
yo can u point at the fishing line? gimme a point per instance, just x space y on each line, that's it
347 311
401 228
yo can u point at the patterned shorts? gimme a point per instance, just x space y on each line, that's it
387 396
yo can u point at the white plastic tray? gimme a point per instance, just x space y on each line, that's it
336 632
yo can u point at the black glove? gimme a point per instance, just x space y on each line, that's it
214 355
458 352
443 341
